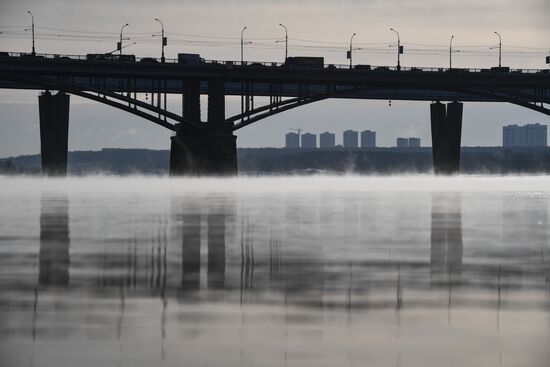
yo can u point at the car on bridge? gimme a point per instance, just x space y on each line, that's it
500 69
361 67
257 65
148 60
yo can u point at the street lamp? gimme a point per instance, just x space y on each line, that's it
451 52
242 46
286 41
32 17
119 46
163 39
350 56
499 49
399 49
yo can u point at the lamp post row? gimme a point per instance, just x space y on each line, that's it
350 53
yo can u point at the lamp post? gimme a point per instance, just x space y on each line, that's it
32 27
399 51
242 46
499 49
351 50
163 39
120 42
286 40
451 52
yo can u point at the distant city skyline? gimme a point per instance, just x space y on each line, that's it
528 135
212 29
351 139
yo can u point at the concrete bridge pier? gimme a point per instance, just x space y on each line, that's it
54 132
446 121
211 151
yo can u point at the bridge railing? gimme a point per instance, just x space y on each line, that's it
264 64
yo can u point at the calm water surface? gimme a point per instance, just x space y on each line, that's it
310 271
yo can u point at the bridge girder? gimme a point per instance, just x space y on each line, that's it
130 105
102 97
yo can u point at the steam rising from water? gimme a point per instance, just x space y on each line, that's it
166 185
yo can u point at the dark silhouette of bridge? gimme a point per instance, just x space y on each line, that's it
209 147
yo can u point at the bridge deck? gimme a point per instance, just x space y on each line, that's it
143 76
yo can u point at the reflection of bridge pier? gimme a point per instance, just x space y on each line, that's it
192 236
54 132
191 251
446 232
54 256
208 151
216 250
446 121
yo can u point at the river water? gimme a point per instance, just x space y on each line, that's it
280 271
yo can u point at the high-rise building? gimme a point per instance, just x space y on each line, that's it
537 135
414 142
309 140
351 139
531 135
327 140
402 142
368 139
513 136
292 140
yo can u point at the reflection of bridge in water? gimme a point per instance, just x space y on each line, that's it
209 147
192 262
253 267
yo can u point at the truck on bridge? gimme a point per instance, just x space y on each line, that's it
190 59
305 62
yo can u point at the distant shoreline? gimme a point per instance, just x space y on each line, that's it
280 161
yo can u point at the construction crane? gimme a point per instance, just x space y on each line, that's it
299 130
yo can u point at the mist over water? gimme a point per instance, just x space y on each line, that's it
272 271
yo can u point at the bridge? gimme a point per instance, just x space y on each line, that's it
209 147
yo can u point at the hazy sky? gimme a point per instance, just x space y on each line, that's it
212 28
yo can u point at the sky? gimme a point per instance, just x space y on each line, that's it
316 28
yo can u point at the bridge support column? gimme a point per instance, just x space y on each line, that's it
192 100
54 132
446 121
211 151
204 153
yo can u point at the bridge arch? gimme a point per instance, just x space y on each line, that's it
266 111
118 101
